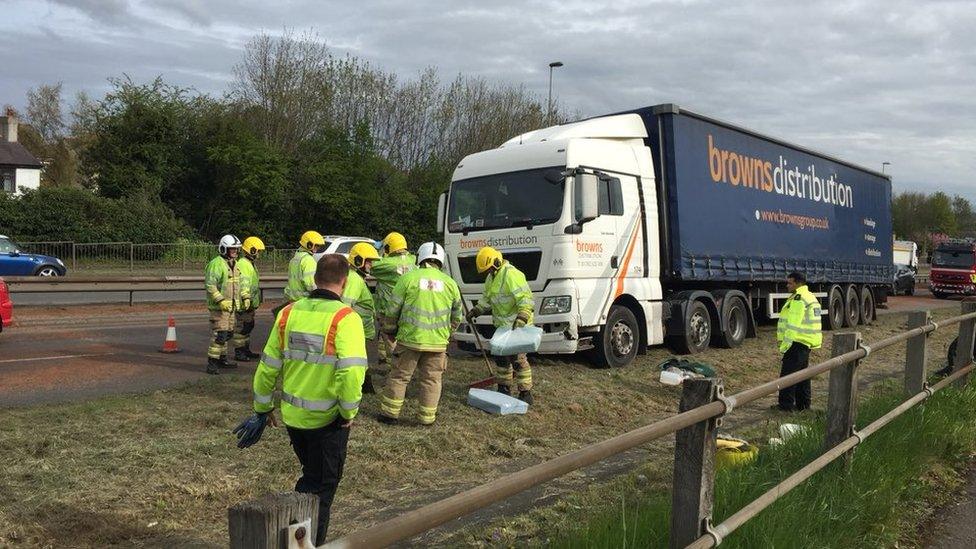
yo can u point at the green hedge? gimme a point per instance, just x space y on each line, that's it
66 213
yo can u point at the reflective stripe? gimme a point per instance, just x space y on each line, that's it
424 325
440 313
271 361
349 405
802 330
521 289
308 357
314 405
351 361
263 399
304 341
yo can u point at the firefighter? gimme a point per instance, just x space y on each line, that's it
226 296
797 331
245 318
318 349
423 312
396 261
358 296
509 300
301 268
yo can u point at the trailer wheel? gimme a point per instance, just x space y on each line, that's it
698 330
736 323
835 309
868 312
852 306
619 339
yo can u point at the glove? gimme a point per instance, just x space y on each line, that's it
472 314
226 305
250 430
520 321
246 304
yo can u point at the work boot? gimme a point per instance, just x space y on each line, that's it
225 364
251 354
387 420
368 385
505 390
525 396
213 366
241 355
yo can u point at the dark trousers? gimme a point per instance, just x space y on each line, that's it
795 397
322 452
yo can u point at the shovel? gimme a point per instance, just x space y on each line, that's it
489 381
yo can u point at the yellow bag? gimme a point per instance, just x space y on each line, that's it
733 452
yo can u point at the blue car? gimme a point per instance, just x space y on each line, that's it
16 262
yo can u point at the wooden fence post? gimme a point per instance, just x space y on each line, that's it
916 353
842 394
263 523
964 345
694 466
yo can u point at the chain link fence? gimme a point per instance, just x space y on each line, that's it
95 258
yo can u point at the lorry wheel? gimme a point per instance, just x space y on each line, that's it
938 295
698 330
619 339
868 311
736 324
835 309
852 306
910 290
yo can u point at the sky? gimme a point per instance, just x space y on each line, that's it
868 81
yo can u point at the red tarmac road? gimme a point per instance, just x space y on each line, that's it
74 357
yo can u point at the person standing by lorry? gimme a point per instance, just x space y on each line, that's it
245 318
317 348
301 268
797 332
226 296
423 312
509 300
396 261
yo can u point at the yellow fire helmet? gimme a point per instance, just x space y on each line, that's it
394 242
310 239
361 253
253 245
487 258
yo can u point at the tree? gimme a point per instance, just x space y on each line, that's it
939 214
965 217
44 111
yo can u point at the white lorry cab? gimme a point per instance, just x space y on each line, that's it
624 237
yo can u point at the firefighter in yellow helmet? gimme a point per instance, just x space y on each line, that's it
358 296
396 261
301 268
245 318
509 300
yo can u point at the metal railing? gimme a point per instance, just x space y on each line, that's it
129 284
173 257
703 404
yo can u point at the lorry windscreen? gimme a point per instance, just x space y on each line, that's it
497 201
961 259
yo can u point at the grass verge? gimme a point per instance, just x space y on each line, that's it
878 503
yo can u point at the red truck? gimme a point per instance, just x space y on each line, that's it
6 306
953 268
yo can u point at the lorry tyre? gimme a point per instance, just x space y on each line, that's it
938 295
868 311
736 322
852 306
698 330
910 290
619 340
835 309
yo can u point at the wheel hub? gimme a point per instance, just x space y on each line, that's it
622 339
699 329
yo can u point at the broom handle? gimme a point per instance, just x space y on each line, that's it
477 337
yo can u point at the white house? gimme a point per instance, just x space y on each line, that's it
19 169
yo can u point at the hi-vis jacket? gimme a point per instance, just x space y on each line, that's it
301 275
250 281
425 309
223 282
799 321
357 295
508 294
318 349
387 271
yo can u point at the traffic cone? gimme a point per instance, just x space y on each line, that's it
170 346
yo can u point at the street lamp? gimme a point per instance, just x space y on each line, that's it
553 65
883 165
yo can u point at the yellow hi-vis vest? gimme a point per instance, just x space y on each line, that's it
799 321
301 275
357 295
318 348
425 309
250 281
508 294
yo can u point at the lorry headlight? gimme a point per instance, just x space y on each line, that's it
556 304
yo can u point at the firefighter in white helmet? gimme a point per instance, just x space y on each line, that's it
226 296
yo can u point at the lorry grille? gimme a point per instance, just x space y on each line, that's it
527 262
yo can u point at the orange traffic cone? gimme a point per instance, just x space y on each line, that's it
170 346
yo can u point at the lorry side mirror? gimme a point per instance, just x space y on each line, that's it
588 197
441 209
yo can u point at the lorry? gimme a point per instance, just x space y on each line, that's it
660 225
905 252
953 268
